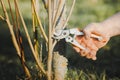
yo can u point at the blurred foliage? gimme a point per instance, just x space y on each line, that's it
85 11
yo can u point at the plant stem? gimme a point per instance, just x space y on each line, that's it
56 14
19 40
11 13
35 31
30 42
49 73
40 24
1 18
69 14
11 29
25 68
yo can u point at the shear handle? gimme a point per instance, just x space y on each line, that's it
76 31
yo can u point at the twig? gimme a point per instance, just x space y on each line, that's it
11 29
1 18
49 63
54 43
11 14
64 25
58 12
45 2
69 14
40 24
35 32
19 40
30 42
59 18
35 26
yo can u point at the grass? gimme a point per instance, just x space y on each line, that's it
74 74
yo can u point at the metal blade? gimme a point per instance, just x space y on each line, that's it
74 42
61 34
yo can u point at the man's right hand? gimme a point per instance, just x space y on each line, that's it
92 45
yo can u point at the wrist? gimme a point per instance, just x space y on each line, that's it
110 28
107 29
112 25
102 28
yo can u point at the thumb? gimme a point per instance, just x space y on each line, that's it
89 29
87 34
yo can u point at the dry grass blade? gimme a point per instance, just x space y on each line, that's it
30 42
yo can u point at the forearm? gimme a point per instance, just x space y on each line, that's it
112 25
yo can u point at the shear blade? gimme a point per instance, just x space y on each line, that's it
74 42
61 34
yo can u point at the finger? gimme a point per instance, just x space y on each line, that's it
76 49
94 58
90 44
89 29
87 33
83 53
89 56
94 55
101 43
79 38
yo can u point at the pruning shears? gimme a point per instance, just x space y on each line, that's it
70 34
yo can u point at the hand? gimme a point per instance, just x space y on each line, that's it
92 45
